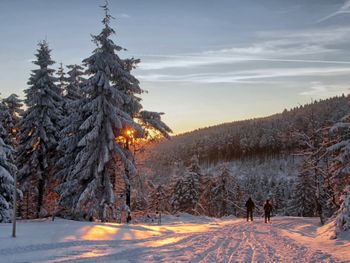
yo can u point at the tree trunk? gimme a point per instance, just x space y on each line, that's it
40 196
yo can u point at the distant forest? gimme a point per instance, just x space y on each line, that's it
255 137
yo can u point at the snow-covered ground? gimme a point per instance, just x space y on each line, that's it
179 239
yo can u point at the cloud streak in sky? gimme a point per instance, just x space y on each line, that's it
247 76
196 61
274 46
344 9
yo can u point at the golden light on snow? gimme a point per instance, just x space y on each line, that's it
92 254
163 242
114 231
99 232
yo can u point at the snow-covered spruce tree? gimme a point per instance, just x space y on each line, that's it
194 166
61 79
88 190
343 215
340 172
75 81
6 122
141 187
206 205
186 190
282 196
313 166
70 135
14 105
158 201
303 196
226 193
150 121
339 150
39 130
7 172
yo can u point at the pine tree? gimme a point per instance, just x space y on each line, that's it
88 189
6 121
70 135
339 150
7 172
39 128
194 166
226 193
75 82
61 79
206 205
186 189
343 214
158 201
313 167
14 105
304 193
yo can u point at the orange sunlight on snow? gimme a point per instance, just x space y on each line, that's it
162 242
99 233
113 231
92 254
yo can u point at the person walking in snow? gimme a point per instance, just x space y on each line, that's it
250 207
268 210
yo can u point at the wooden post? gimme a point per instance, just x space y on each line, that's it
14 207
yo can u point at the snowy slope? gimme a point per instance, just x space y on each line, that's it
180 239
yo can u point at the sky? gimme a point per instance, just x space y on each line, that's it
203 62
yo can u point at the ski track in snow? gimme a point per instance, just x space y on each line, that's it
235 241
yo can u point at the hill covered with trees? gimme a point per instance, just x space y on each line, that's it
262 136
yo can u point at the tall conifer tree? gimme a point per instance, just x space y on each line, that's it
39 128
88 190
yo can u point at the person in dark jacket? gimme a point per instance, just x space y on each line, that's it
250 207
268 210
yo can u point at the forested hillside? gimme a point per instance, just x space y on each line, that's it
261 136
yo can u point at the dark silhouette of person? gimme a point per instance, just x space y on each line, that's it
250 206
268 210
